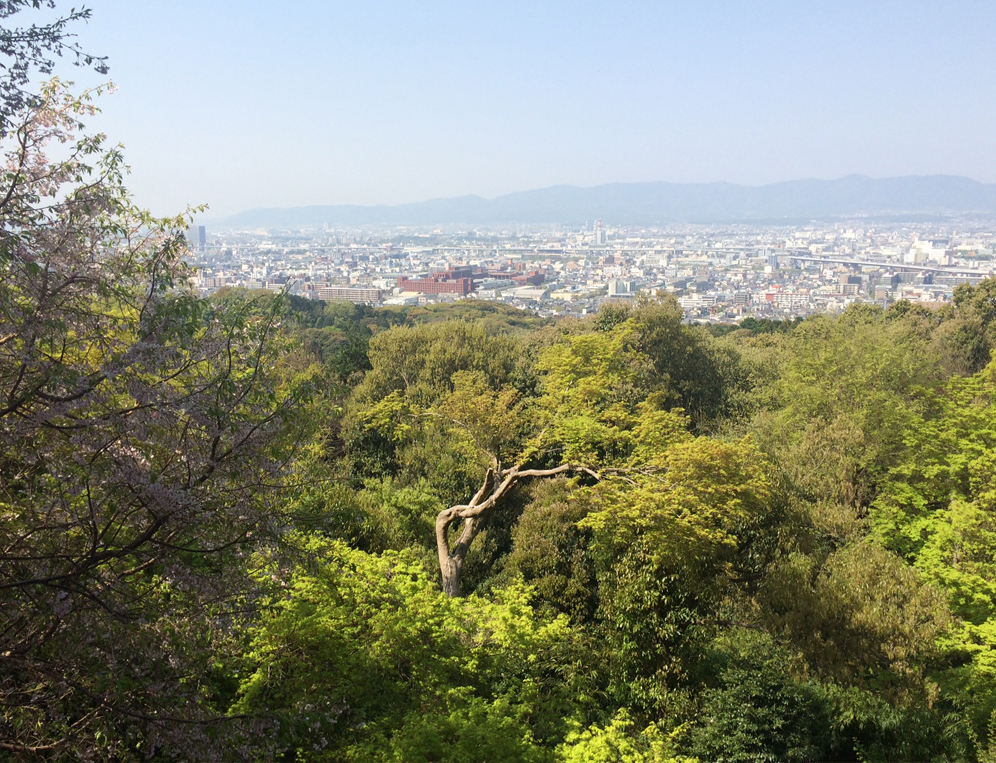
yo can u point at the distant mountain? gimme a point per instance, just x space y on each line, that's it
650 203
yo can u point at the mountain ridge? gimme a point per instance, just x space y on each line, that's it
655 202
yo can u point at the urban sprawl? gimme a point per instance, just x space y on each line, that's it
718 274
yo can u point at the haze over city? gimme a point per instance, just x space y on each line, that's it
249 104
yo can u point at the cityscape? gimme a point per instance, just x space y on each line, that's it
718 273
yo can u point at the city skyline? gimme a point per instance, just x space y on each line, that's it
718 274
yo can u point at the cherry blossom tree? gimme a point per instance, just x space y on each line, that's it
140 430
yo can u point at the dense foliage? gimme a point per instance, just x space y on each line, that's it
771 544
257 527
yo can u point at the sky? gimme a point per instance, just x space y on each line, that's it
241 104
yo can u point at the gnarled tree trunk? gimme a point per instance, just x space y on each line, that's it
474 516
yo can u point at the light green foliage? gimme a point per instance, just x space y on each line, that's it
849 388
617 742
702 497
721 592
475 420
937 510
682 366
670 548
439 403
419 361
595 407
359 647
850 363
495 420
590 388
469 728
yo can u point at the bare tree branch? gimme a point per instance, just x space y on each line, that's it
474 515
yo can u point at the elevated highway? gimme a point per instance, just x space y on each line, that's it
954 271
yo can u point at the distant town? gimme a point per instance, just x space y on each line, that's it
718 274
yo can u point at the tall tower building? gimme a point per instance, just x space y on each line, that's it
599 234
197 237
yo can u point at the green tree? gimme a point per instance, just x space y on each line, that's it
761 708
848 389
936 510
412 370
673 548
363 658
617 742
553 553
690 370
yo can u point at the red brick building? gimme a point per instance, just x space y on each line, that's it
461 280
438 284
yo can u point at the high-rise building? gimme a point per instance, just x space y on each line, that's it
599 234
197 237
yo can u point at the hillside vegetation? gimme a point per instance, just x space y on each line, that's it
255 527
271 528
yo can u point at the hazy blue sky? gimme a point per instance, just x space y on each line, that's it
242 103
